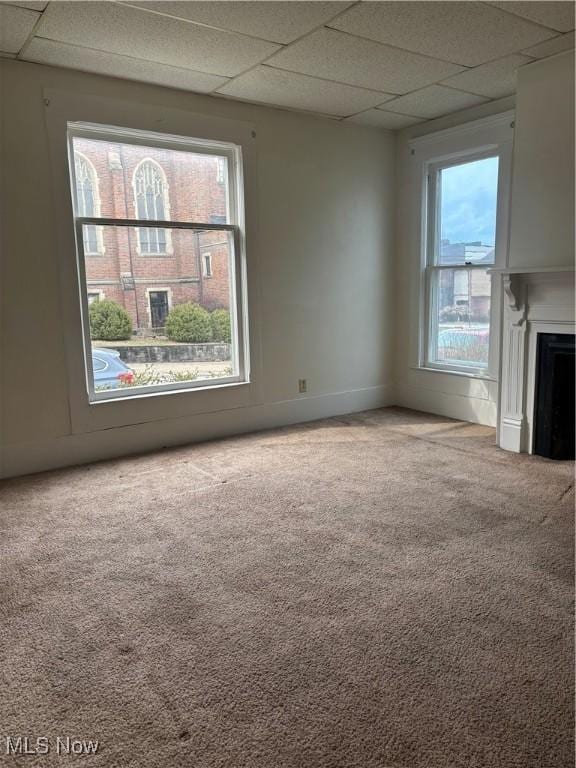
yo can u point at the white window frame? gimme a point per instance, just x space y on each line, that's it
433 267
233 230
489 136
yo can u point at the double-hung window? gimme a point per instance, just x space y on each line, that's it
460 250
161 326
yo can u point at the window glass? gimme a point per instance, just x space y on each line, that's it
462 317
157 182
208 265
151 190
161 305
86 182
467 196
463 233
177 330
98 363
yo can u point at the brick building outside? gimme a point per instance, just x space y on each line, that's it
149 271
468 290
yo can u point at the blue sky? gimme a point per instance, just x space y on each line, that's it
468 202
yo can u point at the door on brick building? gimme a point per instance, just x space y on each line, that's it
158 308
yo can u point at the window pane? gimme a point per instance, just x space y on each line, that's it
461 325
467 197
90 239
161 320
138 182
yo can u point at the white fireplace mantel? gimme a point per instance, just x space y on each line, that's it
536 300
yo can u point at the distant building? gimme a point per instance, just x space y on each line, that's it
150 270
465 291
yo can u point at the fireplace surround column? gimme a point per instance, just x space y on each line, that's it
512 403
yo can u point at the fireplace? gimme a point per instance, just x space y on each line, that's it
554 412
536 413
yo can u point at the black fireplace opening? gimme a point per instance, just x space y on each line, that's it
554 415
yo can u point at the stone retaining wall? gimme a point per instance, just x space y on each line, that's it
176 353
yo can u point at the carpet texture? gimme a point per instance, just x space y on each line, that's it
382 590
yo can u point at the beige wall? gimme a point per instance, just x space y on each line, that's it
542 212
325 277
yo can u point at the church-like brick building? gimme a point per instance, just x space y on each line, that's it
149 271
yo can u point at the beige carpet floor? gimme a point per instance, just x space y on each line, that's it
382 590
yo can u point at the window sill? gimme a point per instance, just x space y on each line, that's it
453 372
153 393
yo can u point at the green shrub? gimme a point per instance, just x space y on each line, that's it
109 321
220 319
189 323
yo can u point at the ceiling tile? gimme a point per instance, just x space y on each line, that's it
496 79
87 60
381 119
433 101
16 24
355 61
468 33
551 47
286 89
280 22
558 15
33 6
7 55
129 31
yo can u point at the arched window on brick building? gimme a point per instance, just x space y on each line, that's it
151 199
88 202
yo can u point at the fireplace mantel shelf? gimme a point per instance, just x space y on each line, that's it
528 270
512 284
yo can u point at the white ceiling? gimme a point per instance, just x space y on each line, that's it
386 64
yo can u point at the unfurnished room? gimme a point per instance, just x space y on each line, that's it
287 384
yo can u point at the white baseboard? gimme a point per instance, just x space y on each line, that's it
38 456
512 434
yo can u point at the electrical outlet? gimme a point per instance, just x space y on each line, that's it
302 386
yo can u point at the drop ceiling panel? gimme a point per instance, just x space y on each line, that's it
558 15
129 31
551 47
378 118
31 5
16 24
434 101
287 89
468 33
280 22
355 61
87 60
496 79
